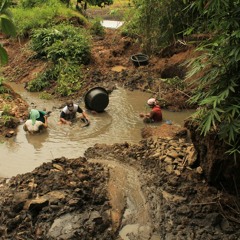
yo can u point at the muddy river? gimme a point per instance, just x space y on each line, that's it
119 123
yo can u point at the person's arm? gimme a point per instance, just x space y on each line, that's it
84 114
62 119
142 115
45 124
151 114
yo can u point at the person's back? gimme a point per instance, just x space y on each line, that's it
33 128
33 125
157 113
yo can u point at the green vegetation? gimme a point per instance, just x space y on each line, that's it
31 15
62 42
218 91
3 89
6 26
64 46
96 28
99 3
67 48
158 23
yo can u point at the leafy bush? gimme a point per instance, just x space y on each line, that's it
32 3
157 23
62 42
69 79
28 19
43 80
97 28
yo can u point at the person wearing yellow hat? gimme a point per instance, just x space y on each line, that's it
155 114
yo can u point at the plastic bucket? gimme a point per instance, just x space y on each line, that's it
96 99
140 59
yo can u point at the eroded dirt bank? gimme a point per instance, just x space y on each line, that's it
70 198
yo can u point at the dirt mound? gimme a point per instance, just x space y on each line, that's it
64 199
70 198
183 205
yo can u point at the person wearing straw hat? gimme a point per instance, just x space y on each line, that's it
69 112
155 114
34 124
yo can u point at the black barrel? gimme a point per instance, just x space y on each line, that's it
96 99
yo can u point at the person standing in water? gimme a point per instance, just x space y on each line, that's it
155 114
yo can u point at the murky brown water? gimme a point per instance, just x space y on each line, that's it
119 123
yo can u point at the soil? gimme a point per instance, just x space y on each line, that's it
71 198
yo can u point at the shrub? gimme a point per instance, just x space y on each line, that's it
70 78
97 28
42 81
62 42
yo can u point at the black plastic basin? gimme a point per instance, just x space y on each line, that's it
140 59
96 99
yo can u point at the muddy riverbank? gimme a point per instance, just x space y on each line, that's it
150 190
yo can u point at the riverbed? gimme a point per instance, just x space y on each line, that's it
119 123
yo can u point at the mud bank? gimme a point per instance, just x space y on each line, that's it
175 201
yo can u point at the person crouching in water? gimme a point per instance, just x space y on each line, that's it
155 114
68 113
34 124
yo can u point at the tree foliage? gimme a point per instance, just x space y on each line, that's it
218 91
159 23
6 26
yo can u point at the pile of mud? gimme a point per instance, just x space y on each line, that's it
69 198
62 199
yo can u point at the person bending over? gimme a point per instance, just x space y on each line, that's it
33 124
69 112
155 114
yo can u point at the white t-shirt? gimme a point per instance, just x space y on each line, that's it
33 128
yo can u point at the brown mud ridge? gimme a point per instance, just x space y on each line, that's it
84 199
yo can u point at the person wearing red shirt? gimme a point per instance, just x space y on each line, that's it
155 114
